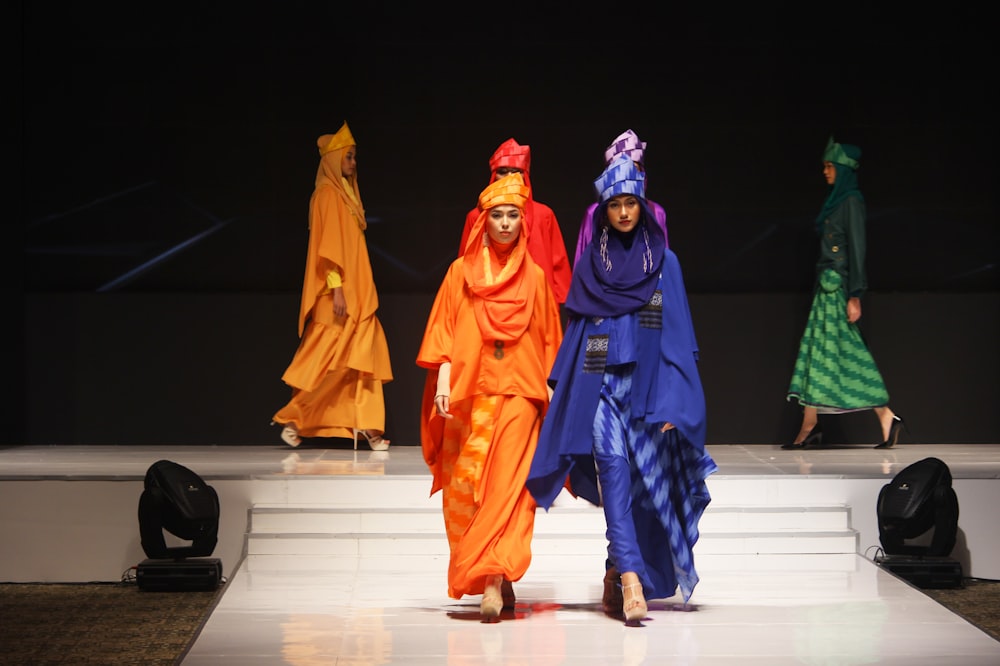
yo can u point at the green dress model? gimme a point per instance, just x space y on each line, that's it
834 371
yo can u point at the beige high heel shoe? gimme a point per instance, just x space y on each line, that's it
376 442
492 602
290 435
634 603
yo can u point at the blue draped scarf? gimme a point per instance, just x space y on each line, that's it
635 259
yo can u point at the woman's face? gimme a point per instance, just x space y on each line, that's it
506 171
503 223
623 212
349 162
830 172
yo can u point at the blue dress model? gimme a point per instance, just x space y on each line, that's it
626 424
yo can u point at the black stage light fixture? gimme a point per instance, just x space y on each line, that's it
918 524
177 500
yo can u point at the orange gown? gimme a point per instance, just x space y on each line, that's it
341 364
481 457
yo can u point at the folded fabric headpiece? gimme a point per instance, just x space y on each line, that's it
628 144
842 153
507 190
511 154
621 177
330 142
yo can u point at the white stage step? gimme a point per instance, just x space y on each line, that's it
763 501
379 517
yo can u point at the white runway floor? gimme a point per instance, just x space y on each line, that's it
748 609
764 610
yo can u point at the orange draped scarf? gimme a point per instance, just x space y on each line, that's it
502 283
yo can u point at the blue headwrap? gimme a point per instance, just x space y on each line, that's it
620 177
617 273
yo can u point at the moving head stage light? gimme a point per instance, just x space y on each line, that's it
178 501
918 525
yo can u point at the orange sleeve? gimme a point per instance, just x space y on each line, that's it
439 333
435 349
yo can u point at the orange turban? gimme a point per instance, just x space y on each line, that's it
507 190
330 142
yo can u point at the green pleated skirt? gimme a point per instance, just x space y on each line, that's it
834 371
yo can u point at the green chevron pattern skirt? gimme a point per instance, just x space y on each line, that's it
834 371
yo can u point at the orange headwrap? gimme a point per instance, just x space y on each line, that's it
508 190
331 151
503 291
342 139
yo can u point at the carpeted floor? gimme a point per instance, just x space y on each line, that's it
117 623
978 601
102 623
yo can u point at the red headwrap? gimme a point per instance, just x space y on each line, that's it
511 154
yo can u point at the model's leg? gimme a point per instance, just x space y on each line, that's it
808 431
885 418
809 420
892 426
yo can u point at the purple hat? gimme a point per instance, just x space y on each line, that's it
621 177
628 144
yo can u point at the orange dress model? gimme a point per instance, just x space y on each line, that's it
342 360
545 239
490 341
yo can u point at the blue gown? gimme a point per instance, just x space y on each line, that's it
617 380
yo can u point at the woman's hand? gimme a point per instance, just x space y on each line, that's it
339 302
853 309
667 426
442 396
443 403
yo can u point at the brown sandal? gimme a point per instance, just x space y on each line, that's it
507 594
612 601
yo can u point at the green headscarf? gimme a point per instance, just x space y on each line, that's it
845 158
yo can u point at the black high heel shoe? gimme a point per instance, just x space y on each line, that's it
815 435
894 430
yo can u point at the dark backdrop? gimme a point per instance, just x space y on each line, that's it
168 154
